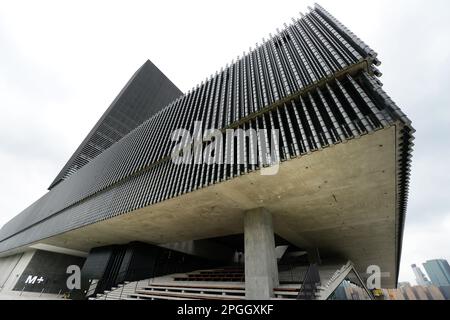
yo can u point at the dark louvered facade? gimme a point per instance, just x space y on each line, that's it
314 81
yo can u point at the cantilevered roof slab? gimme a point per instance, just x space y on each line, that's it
341 200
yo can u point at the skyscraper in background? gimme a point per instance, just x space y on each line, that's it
439 272
421 278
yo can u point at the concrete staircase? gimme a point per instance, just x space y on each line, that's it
215 284
219 284
121 291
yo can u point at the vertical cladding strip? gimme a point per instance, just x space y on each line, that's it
245 82
145 153
210 167
254 103
363 121
304 64
280 150
223 99
282 39
280 68
268 90
273 87
191 120
164 133
329 112
161 133
196 136
245 79
259 95
317 46
181 116
368 102
131 161
119 166
226 166
145 188
151 185
204 114
123 159
285 148
165 183
156 181
301 132
130 193
314 67
184 118
315 142
346 50
243 163
345 115
253 147
239 147
238 92
261 158
135 193
198 156
293 66
210 105
221 166
321 65
278 84
294 140
295 59
187 126
142 156
230 106
172 126
267 157
331 51
262 77
323 126
350 35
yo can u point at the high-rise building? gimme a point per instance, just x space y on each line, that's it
421 278
294 145
439 272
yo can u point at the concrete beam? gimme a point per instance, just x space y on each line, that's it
261 270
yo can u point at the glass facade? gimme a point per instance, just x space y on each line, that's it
438 271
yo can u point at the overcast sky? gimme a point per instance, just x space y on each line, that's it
62 63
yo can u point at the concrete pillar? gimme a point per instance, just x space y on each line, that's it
261 270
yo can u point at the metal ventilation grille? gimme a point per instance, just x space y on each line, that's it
313 81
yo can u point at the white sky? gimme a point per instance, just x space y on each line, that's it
62 63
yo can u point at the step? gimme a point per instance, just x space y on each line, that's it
277 291
205 286
151 296
178 289
190 295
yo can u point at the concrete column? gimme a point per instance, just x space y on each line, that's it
261 270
